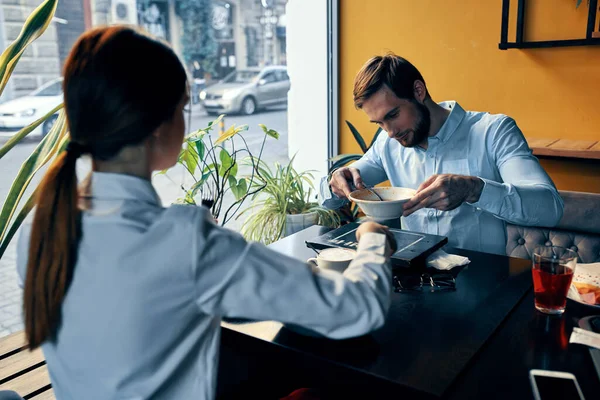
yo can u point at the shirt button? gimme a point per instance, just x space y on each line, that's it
431 213
431 156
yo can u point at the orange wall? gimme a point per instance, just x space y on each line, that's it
551 93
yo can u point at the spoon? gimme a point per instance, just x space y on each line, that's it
370 189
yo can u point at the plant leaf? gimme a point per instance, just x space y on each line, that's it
181 155
189 199
197 135
216 121
240 189
227 163
49 146
198 185
359 139
190 158
344 161
26 131
27 207
232 181
231 132
200 147
269 132
34 27
375 137
210 167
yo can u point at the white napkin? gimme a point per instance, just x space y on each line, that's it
585 273
444 261
585 337
573 293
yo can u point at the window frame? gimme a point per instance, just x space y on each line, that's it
333 72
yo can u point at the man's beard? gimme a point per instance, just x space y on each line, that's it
420 131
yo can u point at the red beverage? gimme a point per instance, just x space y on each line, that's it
551 282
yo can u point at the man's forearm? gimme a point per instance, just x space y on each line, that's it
531 204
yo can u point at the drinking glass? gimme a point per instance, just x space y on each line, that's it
553 269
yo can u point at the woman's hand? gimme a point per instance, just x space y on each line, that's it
371 226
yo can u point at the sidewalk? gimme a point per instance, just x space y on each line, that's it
11 296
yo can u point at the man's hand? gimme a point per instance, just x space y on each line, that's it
371 226
445 192
341 180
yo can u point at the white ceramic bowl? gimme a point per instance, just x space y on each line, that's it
391 206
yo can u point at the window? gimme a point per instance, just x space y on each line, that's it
248 36
243 76
269 77
282 75
54 89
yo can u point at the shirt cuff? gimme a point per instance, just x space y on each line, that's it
326 198
372 241
492 196
324 190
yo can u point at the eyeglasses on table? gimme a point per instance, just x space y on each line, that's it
442 282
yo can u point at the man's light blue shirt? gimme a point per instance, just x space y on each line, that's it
491 147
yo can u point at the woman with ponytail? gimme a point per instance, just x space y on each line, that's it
125 296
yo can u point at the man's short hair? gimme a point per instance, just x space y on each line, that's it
391 70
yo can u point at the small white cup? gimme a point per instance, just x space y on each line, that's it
336 259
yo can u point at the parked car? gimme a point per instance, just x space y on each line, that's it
248 90
18 113
198 85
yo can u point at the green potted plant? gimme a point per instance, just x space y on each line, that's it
284 204
214 167
17 205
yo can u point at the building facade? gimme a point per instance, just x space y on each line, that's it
40 62
248 33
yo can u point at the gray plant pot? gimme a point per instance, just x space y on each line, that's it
297 222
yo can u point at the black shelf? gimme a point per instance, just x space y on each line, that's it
519 43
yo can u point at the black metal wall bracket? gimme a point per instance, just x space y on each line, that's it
519 43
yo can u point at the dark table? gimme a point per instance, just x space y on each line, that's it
478 342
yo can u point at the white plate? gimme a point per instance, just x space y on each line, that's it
585 273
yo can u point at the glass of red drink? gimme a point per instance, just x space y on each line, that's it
553 269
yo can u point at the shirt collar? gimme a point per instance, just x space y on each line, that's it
454 119
110 186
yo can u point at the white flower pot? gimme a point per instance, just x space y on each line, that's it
297 222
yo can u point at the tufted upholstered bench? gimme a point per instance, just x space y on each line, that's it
578 230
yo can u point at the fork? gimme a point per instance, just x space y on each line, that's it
208 198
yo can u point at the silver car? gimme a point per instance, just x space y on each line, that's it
19 113
246 91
